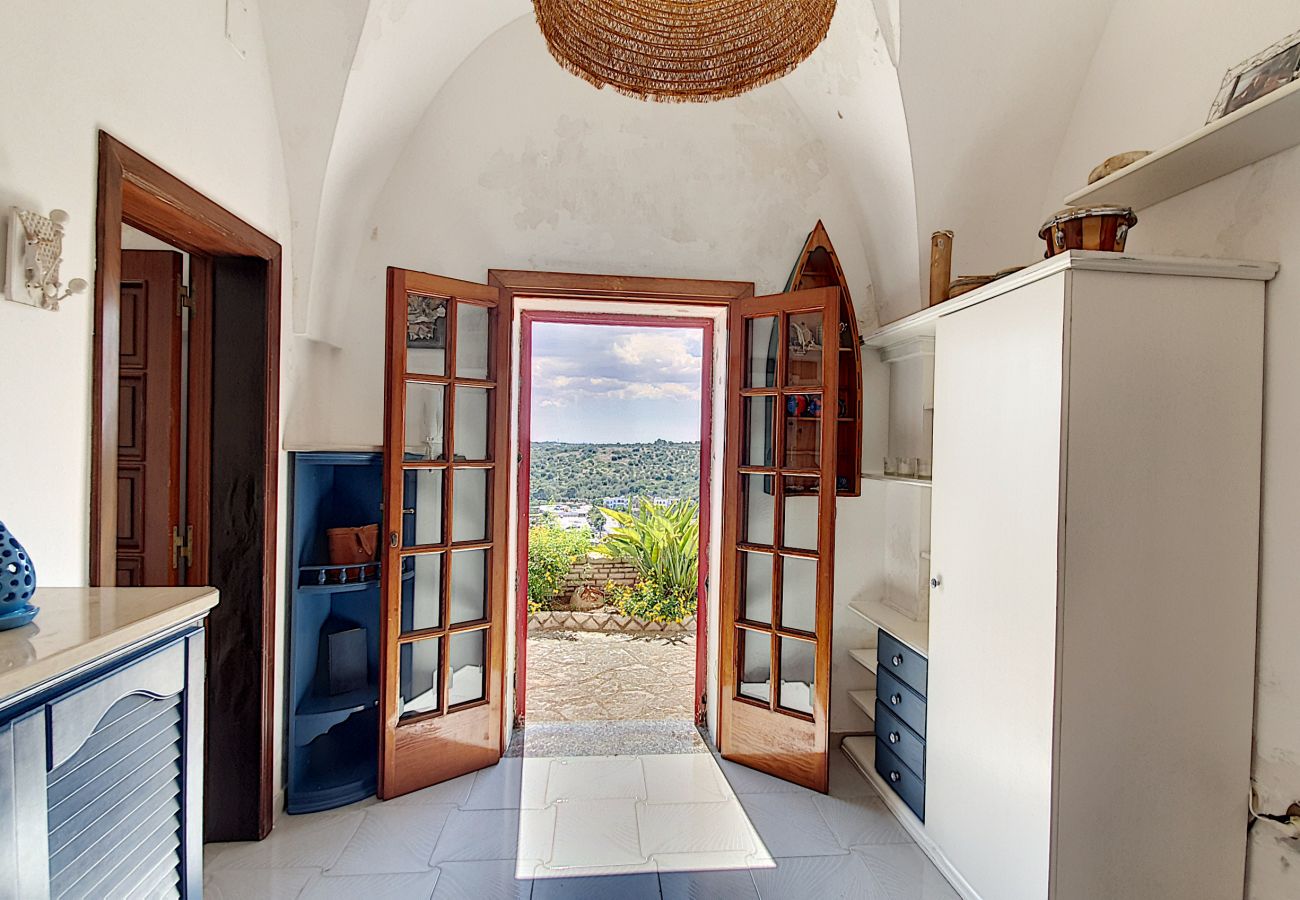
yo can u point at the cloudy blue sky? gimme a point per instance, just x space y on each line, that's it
609 383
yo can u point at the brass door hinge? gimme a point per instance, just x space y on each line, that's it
184 300
182 548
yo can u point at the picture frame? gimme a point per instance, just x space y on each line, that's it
426 322
1258 76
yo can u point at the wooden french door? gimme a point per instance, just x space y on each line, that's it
442 632
779 534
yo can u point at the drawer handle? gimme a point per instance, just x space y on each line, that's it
896 699
894 737
895 777
898 659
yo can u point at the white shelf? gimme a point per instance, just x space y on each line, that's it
861 751
911 632
866 701
1265 127
897 479
922 322
865 657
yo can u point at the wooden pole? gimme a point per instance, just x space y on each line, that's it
940 265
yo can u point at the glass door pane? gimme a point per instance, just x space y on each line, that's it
761 352
422 508
473 344
426 335
468 667
421 677
472 437
758 504
425 422
422 593
804 350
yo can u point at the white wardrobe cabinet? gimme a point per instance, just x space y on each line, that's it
1095 539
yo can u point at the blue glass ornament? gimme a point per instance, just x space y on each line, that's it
17 582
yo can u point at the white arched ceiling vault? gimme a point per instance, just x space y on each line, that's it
344 127
989 89
351 80
929 119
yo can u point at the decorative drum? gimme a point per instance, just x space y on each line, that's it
1088 228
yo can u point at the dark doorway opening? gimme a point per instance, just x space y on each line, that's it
231 466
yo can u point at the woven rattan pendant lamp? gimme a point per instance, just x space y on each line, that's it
682 50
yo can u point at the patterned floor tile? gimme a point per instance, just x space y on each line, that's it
818 878
790 825
906 873
397 886
393 839
481 880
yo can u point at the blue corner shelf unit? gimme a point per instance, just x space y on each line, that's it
333 737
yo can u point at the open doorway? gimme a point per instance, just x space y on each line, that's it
615 433
185 446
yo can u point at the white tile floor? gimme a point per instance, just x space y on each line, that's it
684 826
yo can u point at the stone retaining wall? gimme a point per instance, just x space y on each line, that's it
606 622
597 571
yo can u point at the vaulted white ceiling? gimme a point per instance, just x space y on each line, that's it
933 116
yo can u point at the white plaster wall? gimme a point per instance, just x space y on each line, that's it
518 164
1152 79
161 77
988 88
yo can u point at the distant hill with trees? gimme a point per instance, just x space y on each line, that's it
582 472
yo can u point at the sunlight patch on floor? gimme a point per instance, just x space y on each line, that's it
615 815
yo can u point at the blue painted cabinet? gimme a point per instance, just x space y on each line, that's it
101 780
901 679
333 733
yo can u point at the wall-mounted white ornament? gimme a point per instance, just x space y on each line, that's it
33 259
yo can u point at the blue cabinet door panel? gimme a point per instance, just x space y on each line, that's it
902 662
901 700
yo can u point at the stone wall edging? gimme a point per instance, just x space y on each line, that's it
610 623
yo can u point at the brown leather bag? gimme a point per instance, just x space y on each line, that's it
353 545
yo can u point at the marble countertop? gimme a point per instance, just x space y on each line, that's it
77 626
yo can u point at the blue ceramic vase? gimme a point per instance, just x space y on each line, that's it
17 582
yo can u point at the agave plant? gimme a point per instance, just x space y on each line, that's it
663 542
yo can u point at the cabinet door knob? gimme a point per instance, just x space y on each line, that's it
894 737
935 581
896 699
392 539
895 777
898 659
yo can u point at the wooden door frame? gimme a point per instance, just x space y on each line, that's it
133 190
515 284
528 319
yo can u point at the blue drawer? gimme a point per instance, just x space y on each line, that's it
905 743
905 783
901 700
901 661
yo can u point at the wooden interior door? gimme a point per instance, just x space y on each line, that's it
779 534
442 632
149 419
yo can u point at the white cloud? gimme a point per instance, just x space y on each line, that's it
573 364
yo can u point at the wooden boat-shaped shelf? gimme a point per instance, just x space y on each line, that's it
817 267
